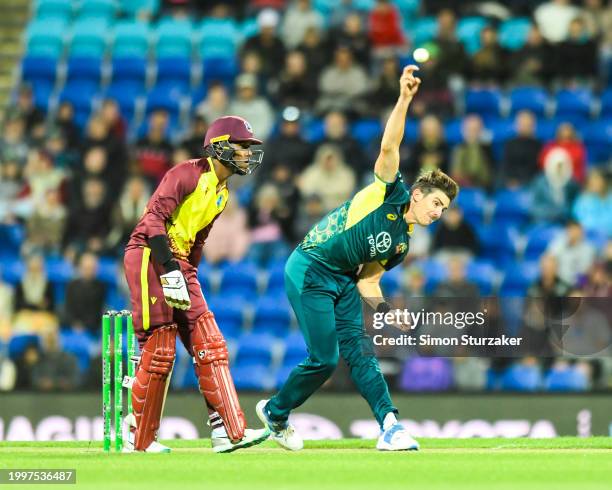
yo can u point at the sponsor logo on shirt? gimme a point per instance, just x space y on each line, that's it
400 248
383 242
153 300
392 217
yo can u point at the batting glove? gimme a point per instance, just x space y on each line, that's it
175 290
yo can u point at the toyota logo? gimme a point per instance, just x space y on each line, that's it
383 242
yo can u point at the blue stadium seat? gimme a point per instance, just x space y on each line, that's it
53 10
131 39
512 206
518 277
520 377
255 350
39 69
546 128
82 97
241 280
276 280
20 342
468 32
11 237
282 374
427 374
365 130
59 270
140 8
484 274
606 103
538 239
473 203
573 103
485 102
295 349
219 69
408 8
452 131
97 9
46 38
391 281
85 70
498 243
253 378
424 30
567 379
116 299
12 270
501 130
219 38
597 137
248 28
78 344
108 270
129 71
513 33
174 71
174 39
89 38
511 305
229 314
534 99
126 94
162 98
272 315
314 130
435 272
42 94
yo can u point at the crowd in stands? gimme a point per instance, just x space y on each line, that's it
515 104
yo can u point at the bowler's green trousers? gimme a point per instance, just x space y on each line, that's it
328 309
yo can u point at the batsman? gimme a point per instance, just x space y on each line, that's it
161 261
340 261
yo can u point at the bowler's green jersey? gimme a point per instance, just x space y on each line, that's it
368 228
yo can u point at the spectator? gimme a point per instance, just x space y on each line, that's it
85 297
13 142
353 35
229 239
113 119
472 159
549 284
251 106
554 191
430 151
194 140
574 254
267 242
251 65
337 134
298 18
554 17
593 207
55 370
296 85
567 142
89 219
576 57
98 134
216 103
154 150
385 89
64 158
26 363
531 64
452 60
328 166
343 84
457 285
95 165
64 120
317 51
289 196
519 163
46 226
26 109
12 185
490 63
599 282
310 211
385 28
8 373
41 176
340 11
288 148
454 236
127 212
266 43
6 309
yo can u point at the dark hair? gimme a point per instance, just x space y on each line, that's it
436 180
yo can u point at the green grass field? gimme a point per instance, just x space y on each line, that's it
563 463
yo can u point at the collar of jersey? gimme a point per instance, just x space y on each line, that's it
212 171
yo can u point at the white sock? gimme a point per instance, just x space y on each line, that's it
389 420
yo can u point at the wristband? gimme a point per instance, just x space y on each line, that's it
383 307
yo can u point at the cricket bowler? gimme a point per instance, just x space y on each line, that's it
161 260
342 259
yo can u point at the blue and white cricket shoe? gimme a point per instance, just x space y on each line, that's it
282 432
396 438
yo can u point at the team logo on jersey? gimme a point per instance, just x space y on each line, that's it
392 217
153 300
248 126
400 248
383 242
219 201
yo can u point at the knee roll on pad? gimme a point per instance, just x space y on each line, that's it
214 379
149 389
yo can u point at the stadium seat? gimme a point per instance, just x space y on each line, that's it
89 38
485 102
59 270
82 96
11 237
255 349
538 239
452 131
78 344
229 315
20 342
97 9
512 206
42 94
248 28
569 378
131 39
534 99
219 69
546 129
53 10
126 95
219 38
108 270
282 374
84 70
513 33
365 130
241 280
174 39
46 38
597 137
272 315
501 130
408 8
252 378
162 98
497 242
606 104
391 281
175 72
276 280
424 30
140 8
573 103
473 203
116 299
314 130
12 271
484 274
435 272
295 350
39 69
129 71
518 277
520 377
468 32
427 374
